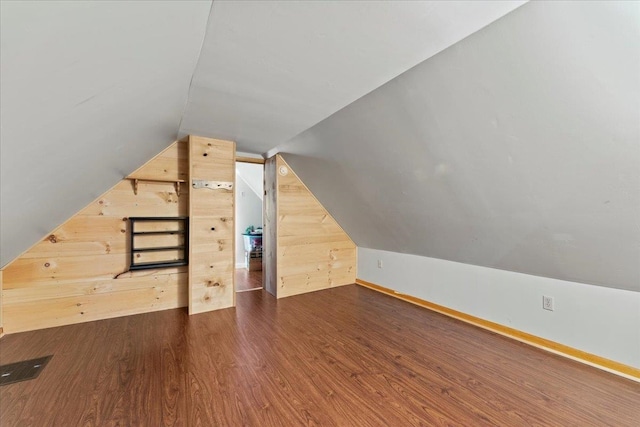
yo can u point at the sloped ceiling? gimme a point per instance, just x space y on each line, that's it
271 69
518 148
89 91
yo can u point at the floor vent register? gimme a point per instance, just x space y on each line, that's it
22 371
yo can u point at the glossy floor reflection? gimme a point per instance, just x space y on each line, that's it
345 356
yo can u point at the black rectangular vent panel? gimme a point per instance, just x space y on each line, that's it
22 371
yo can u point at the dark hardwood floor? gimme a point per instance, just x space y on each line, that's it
346 356
247 280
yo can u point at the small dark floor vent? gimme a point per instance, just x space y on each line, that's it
22 371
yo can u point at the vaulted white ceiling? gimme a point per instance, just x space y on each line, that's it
91 90
272 69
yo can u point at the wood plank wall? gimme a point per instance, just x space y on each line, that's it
313 252
69 277
270 228
212 230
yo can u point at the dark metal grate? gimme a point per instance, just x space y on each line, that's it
22 371
182 224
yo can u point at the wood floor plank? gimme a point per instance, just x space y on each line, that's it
246 280
345 356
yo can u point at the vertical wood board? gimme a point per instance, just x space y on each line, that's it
313 251
211 213
269 238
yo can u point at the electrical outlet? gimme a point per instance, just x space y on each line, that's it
379 263
547 303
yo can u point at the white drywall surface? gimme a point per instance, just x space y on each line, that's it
253 175
595 319
271 69
248 209
89 92
518 148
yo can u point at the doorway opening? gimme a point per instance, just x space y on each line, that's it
249 220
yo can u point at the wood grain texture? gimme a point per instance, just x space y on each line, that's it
270 228
545 344
313 251
68 277
246 279
211 231
346 356
172 164
243 159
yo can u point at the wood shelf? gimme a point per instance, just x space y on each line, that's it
150 233
176 183
155 265
159 249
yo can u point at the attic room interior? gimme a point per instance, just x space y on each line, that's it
355 213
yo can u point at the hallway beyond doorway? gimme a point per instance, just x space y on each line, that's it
248 280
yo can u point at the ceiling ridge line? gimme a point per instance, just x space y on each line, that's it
193 72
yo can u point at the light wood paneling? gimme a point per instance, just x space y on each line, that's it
250 160
152 197
163 240
269 239
211 212
313 252
164 292
80 287
83 235
69 276
172 164
27 271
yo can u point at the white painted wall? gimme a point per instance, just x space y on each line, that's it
595 319
248 212
253 175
